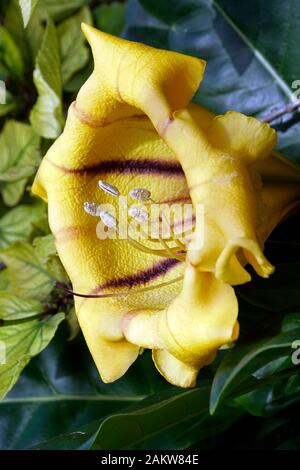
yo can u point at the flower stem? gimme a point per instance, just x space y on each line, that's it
278 112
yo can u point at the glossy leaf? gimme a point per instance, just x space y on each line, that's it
141 421
155 414
60 391
280 292
244 72
248 364
272 398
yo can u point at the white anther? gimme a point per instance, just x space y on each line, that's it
108 219
138 213
109 188
140 194
92 208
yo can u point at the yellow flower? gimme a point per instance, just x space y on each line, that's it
133 126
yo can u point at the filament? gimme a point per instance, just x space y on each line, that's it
123 293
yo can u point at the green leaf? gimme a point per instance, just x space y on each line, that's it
73 324
245 48
135 424
19 149
28 276
9 104
81 439
279 20
110 18
18 223
13 192
58 9
248 364
173 419
76 82
171 11
13 307
27 8
4 280
44 247
274 397
46 251
190 433
10 55
46 116
60 391
280 292
23 341
28 40
74 52
154 414
13 22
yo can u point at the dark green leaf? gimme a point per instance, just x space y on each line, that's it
171 11
13 22
244 71
10 55
110 18
60 391
188 433
248 364
157 413
272 398
280 292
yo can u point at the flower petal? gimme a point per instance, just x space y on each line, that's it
134 75
187 335
242 136
87 151
223 184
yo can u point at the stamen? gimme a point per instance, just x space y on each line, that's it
109 188
92 208
138 213
163 253
141 216
146 249
140 194
109 220
121 294
170 251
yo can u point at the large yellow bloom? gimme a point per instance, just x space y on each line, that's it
133 126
